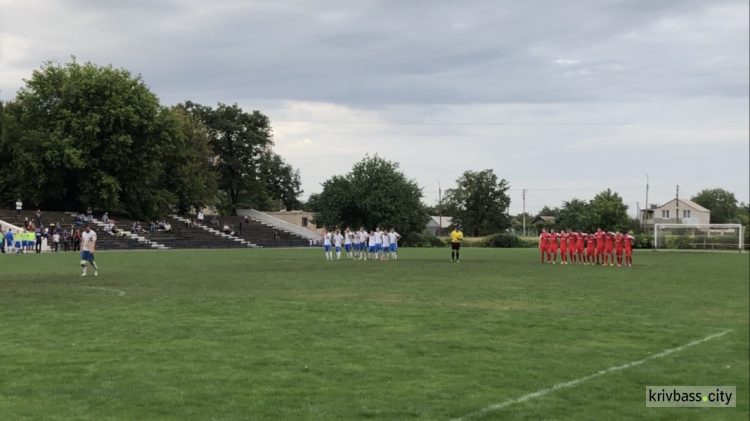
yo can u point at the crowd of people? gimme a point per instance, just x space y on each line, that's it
579 248
31 238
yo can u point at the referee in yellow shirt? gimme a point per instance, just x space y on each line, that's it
456 238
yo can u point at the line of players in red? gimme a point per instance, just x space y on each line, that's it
599 248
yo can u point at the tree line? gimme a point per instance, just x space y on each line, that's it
79 135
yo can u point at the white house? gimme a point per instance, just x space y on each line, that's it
438 225
689 213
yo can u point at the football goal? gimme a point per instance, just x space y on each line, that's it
699 237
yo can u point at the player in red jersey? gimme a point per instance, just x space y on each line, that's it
579 247
544 243
572 239
629 249
552 248
590 249
619 243
599 245
609 239
564 247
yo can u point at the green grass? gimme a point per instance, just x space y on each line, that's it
286 335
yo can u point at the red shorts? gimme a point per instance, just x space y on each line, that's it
628 252
608 250
591 251
579 249
552 249
600 250
564 250
618 252
543 248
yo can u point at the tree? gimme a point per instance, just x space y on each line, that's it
547 211
572 215
282 182
479 203
240 141
721 203
375 193
606 211
189 173
82 135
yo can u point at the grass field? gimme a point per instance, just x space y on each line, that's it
286 335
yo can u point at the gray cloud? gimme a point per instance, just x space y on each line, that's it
424 61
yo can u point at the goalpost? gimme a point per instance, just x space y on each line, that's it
699 237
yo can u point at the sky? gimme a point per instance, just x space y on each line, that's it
562 99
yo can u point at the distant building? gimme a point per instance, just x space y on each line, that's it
542 222
690 213
434 226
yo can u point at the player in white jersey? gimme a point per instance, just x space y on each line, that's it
378 242
348 242
337 239
327 245
394 237
371 244
362 243
386 246
88 240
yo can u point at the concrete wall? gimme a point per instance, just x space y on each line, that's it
296 218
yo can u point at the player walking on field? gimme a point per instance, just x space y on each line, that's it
327 245
456 238
88 238
544 244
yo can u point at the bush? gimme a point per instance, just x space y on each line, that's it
643 241
420 240
508 241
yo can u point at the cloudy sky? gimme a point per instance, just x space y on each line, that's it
564 99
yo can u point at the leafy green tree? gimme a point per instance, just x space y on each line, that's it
606 211
572 215
721 203
240 142
374 193
83 135
479 203
282 182
189 173
547 211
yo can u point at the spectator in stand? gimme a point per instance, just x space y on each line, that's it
167 227
66 240
76 241
26 223
200 218
90 214
39 217
214 220
239 227
19 208
58 227
105 218
38 237
55 241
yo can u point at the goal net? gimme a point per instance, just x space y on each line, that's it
703 237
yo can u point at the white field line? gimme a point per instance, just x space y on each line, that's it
572 383
120 293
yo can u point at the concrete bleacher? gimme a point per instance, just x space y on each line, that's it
257 232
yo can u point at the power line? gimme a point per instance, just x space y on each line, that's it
672 123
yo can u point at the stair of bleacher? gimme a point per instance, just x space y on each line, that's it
259 233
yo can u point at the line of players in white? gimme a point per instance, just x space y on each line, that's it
362 245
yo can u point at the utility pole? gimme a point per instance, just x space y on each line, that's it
677 217
440 208
524 211
646 206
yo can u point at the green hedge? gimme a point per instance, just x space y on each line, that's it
420 240
699 242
